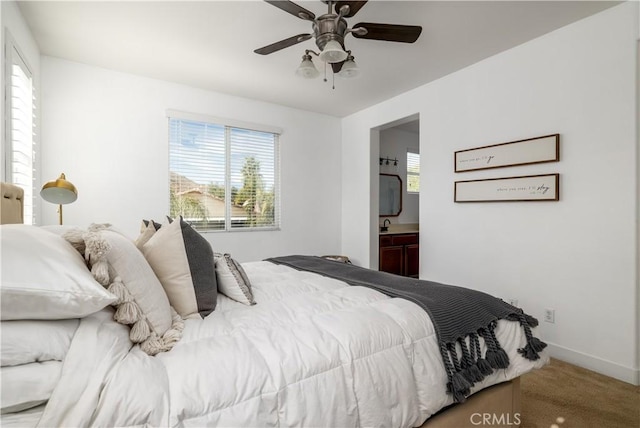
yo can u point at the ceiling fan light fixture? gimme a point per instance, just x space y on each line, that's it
307 69
349 69
333 52
329 31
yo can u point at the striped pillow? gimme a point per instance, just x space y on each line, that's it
232 279
182 259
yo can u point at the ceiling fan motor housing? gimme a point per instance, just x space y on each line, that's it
328 27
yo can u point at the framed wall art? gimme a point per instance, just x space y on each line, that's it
521 152
545 187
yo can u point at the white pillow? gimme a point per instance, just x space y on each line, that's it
43 277
28 385
183 261
29 341
233 282
58 229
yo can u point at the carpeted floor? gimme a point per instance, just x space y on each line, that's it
567 396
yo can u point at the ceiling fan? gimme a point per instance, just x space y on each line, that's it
330 30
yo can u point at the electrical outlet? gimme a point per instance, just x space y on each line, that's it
513 302
550 315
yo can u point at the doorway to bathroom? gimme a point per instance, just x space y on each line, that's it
395 246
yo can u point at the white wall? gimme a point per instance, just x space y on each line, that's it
108 132
19 33
638 184
577 256
3 177
394 144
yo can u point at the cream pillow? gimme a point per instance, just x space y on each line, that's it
145 234
43 277
233 282
183 261
147 230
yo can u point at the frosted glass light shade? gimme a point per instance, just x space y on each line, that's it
349 69
306 69
333 52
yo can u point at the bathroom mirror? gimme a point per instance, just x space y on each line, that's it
390 195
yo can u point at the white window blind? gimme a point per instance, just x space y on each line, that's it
20 148
223 177
413 172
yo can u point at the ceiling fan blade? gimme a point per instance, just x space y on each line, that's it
337 66
293 9
389 32
354 7
294 40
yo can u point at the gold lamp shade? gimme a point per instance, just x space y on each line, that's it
59 191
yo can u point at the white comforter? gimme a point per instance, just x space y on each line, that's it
312 352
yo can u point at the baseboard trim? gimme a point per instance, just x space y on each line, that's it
607 368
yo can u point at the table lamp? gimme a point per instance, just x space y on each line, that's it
59 191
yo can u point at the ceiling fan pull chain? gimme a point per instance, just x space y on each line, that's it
333 81
325 71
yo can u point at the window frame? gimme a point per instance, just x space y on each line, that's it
12 53
228 125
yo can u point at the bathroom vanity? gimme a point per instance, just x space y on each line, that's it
399 252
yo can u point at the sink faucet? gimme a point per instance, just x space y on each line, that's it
384 224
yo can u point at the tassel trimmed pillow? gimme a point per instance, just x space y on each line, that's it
120 267
182 259
232 279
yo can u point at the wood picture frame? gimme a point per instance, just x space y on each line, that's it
522 152
527 188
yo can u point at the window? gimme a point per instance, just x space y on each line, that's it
413 172
20 141
223 177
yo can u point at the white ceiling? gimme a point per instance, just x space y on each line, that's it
209 44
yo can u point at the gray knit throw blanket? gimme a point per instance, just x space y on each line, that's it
460 316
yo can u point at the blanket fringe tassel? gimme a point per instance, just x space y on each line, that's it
472 367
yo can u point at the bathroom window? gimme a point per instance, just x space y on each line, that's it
413 172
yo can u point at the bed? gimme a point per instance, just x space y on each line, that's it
294 349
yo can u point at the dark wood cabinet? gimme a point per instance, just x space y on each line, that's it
391 259
412 260
399 254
